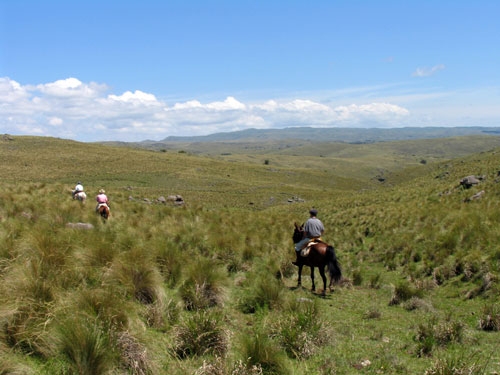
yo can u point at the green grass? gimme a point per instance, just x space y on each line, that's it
208 287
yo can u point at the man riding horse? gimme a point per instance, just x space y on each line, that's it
78 193
78 189
317 253
313 229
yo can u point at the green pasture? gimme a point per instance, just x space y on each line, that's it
208 287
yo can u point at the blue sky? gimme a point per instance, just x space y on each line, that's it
134 70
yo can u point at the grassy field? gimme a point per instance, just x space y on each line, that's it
208 288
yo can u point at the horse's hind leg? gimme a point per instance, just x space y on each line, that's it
323 276
299 281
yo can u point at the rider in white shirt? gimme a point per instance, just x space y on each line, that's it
78 188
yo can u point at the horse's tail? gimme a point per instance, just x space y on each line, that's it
333 264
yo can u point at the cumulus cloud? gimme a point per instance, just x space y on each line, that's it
137 97
69 108
426 72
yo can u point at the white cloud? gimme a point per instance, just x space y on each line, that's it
56 121
137 97
70 87
230 104
73 109
426 72
11 91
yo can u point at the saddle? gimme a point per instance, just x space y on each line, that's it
314 241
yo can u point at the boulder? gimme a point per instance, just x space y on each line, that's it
469 181
85 226
475 196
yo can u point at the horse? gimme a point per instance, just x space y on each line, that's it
103 210
80 196
320 255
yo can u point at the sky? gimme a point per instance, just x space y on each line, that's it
134 70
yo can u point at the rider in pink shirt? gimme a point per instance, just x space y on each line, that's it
101 199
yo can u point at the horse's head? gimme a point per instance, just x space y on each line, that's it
298 233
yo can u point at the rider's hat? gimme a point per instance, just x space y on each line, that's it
78 183
313 212
101 191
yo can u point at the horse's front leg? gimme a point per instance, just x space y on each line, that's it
312 279
299 281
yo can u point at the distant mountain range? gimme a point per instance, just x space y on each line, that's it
348 135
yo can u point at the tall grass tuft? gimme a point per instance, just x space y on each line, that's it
133 354
403 291
457 365
138 274
300 330
258 350
86 345
13 367
490 318
199 333
434 333
260 291
171 259
105 304
204 285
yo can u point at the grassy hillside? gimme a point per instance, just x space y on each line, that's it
208 288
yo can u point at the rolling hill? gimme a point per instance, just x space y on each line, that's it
208 288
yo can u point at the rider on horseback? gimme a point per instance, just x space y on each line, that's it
313 229
101 199
78 189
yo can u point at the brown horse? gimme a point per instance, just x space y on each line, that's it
320 255
103 210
